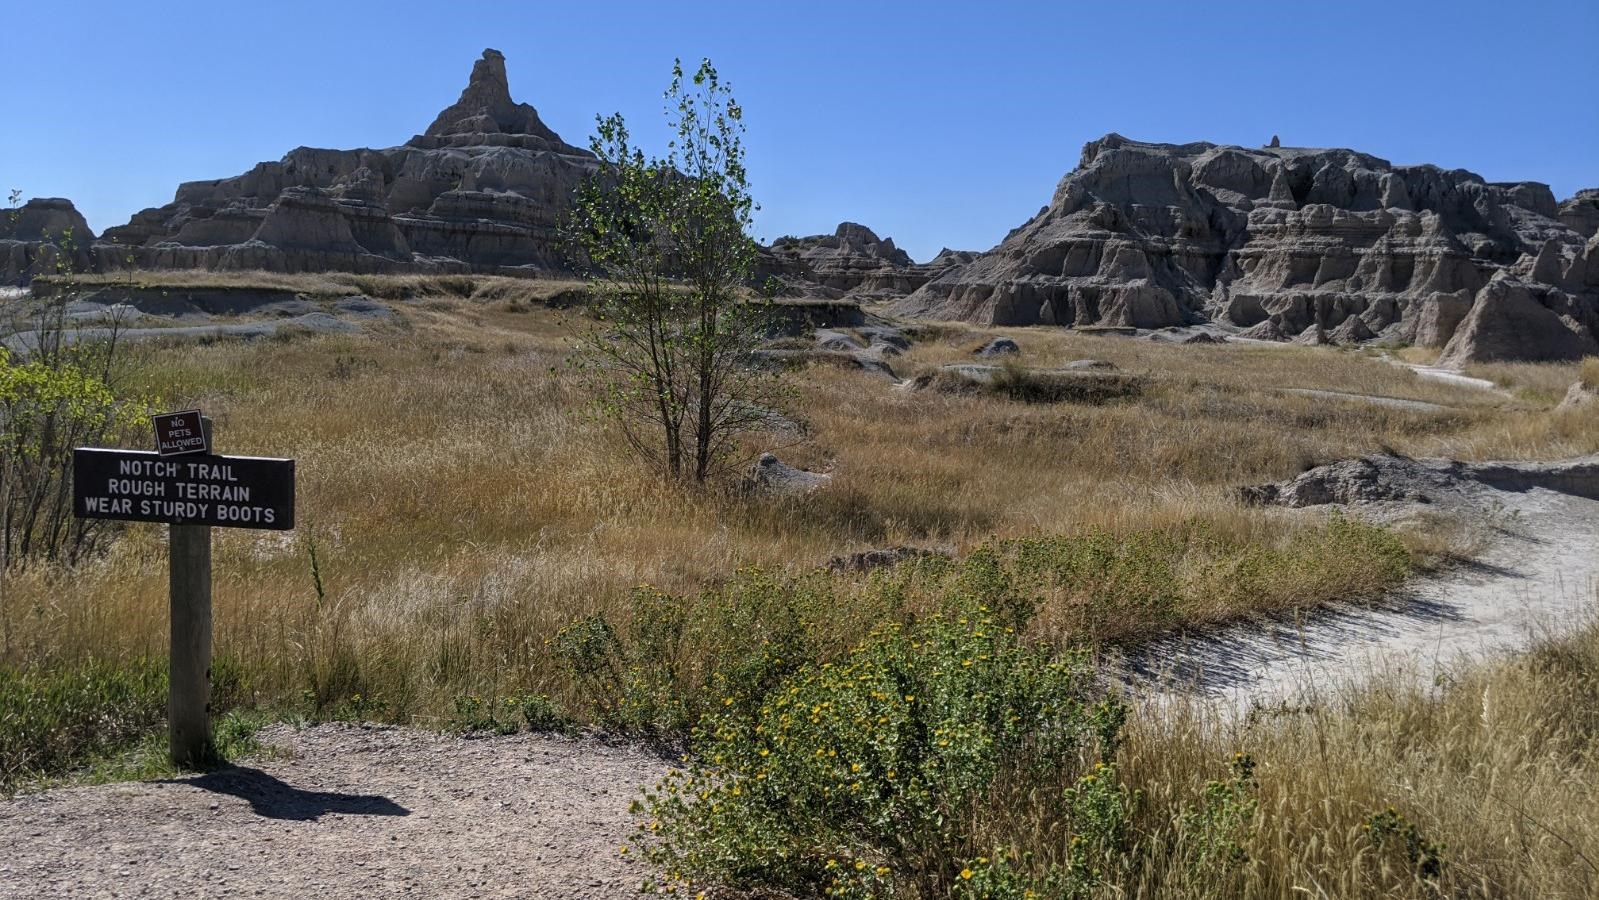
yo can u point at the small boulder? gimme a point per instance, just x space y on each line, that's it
363 307
1581 396
772 475
1094 365
997 347
1267 330
885 334
1372 479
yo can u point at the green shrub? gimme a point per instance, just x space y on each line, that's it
475 714
849 774
1423 857
681 656
542 714
1213 833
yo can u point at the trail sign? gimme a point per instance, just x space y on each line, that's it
180 432
140 486
191 490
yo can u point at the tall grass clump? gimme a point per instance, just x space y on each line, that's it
52 720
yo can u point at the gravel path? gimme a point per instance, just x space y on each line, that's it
345 811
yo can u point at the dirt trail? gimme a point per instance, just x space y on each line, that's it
345 812
1538 574
1451 376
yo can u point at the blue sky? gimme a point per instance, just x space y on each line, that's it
936 124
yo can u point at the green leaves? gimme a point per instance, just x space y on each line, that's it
56 399
845 772
666 242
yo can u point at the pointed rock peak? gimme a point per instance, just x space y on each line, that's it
486 107
488 78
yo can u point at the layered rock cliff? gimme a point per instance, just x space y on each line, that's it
482 189
1292 242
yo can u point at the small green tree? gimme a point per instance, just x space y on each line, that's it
667 244
58 390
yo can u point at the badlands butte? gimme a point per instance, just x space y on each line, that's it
1276 243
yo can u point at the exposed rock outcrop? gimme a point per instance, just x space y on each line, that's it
852 261
1520 319
772 475
482 189
1581 212
883 558
1580 396
1283 242
1001 346
1400 479
41 236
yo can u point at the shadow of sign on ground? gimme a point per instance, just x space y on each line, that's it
273 798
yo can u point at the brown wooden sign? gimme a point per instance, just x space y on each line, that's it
191 489
180 432
140 486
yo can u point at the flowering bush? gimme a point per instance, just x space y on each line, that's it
849 772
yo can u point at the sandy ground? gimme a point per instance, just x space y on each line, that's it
345 812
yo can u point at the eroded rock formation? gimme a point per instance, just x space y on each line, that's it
1290 242
852 261
481 190
41 236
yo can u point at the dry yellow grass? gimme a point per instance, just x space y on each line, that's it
1497 765
1543 383
463 510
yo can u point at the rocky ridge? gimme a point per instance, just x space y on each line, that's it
1276 243
1290 242
482 189
852 261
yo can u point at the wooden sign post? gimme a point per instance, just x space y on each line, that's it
191 489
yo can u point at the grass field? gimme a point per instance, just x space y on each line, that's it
472 547
452 487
